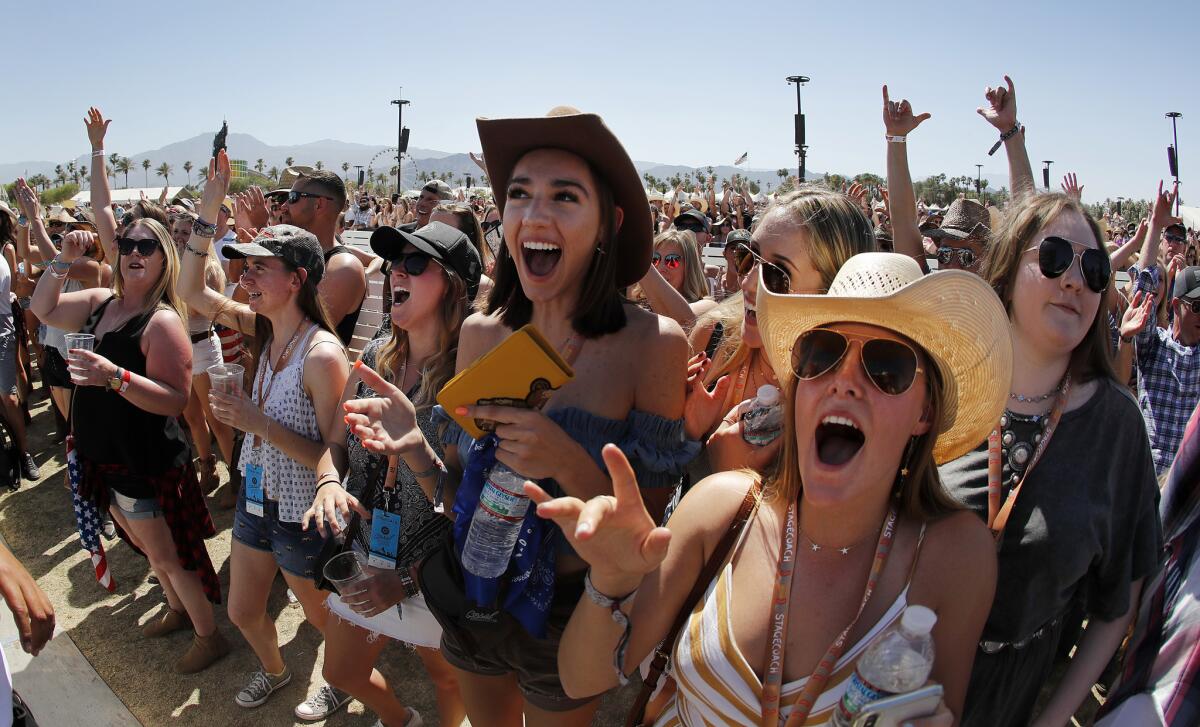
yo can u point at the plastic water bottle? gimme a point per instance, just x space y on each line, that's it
762 421
898 660
496 524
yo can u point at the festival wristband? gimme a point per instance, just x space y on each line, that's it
896 139
1006 136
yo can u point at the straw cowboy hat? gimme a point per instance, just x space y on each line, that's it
505 141
953 316
965 218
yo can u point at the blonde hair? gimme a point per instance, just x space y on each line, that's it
837 231
440 367
695 286
163 294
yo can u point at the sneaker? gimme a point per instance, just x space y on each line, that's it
169 621
204 651
414 720
109 529
325 702
261 686
29 468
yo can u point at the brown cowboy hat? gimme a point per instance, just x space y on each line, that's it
505 141
965 217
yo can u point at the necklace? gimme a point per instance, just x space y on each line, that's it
816 547
1020 434
1039 398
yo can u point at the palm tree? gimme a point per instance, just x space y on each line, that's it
288 162
259 165
123 165
72 172
319 165
112 160
59 174
345 171
110 172
273 173
187 168
164 171
146 169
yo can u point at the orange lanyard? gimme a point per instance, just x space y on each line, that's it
998 514
279 366
779 618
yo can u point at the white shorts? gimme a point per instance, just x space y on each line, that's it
206 353
417 626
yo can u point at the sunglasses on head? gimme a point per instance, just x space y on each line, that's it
295 196
775 278
966 256
1055 255
669 261
891 365
413 263
145 246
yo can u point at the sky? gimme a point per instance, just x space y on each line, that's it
692 83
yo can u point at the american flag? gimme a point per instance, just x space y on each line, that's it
741 159
87 520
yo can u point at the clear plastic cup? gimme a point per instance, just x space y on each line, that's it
84 341
226 378
345 569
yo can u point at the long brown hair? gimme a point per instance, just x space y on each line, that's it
439 368
1092 358
310 305
163 293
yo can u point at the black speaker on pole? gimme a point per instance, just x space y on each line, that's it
1172 161
799 129
1046 177
1118 206
361 177
404 140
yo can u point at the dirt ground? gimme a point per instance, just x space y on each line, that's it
39 526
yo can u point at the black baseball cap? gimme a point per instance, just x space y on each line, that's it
692 216
736 236
1187 283
299 248
446 244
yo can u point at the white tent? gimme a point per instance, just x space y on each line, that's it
1190 216
131 195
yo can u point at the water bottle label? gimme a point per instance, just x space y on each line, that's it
859 694
502 503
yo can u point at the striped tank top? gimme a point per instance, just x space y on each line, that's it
717 686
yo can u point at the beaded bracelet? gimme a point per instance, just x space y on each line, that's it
200 228
194 251
1006 136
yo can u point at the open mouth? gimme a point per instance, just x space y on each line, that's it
541 257
136 266
751 312
838 440
400 295
253 297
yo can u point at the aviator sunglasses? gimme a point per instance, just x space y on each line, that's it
890 365
774 277
966 256
669 261
1055 255
145 246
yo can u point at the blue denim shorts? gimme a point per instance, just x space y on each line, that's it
301 553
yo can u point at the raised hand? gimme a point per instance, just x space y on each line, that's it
613 533
256 207
1001 108
97 127
898 119
217 186
27 200
1139 312
479 161
701 409
76 243
858 194
1160 212
1072 188
387 423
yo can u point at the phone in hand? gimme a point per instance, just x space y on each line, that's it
899 708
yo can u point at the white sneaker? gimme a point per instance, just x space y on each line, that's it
414 720
325 702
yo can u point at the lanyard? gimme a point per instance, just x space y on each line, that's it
779 618
279 366
998 514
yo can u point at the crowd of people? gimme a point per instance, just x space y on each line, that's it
973 417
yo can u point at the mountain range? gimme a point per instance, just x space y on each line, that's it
333 154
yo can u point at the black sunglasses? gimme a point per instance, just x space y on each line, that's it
1174 239
891 365
1055 255
295 196
669 261
413 263
966 256
775 278
145 246
695 227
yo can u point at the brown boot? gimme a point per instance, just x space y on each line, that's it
207 469
166 622
203 651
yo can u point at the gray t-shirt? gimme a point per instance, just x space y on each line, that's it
1086 521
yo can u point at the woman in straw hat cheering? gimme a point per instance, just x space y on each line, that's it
889 373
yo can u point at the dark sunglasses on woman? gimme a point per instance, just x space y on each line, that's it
774 277
413 263
669 261
891 365
145 246
966 256
1055 255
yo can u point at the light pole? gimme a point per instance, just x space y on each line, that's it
1174 154
400 138
801 147
1119 201
360 177
1046 173
979 181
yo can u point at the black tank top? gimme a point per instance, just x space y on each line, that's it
345 327
111 430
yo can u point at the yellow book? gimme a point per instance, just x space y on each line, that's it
522 371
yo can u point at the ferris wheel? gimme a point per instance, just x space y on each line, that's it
384 162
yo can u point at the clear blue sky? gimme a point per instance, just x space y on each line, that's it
680 82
